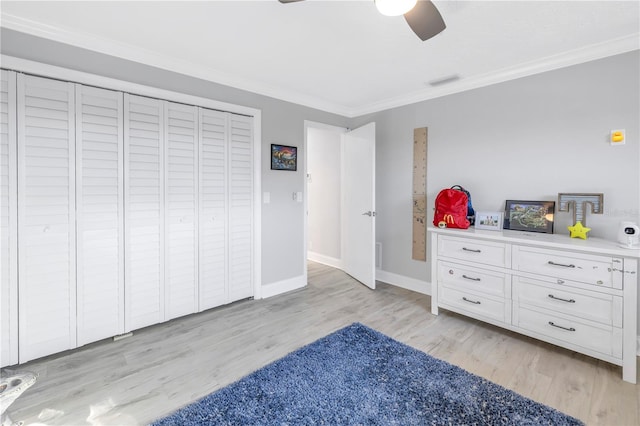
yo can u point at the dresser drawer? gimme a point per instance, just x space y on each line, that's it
478 280
474 305
597 337
596 270
484 252
589 305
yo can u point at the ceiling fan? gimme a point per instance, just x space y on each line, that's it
421 15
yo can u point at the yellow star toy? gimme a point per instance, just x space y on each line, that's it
578 231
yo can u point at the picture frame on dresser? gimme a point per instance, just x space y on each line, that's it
491 221
529 216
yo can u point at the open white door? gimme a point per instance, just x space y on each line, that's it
359 223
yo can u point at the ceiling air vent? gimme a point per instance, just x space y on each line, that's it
444 80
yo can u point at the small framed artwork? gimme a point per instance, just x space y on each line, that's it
489 220
284 157
532 216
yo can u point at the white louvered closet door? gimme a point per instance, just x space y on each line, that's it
144 211
9 221
214 133
181 195
240 207
100 217
46 216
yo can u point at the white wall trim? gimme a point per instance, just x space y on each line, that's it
402 281
125 51
573 57
147 57
283 286
66 74
325 260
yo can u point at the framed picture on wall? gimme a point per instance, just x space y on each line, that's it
284 157
531 216
489 220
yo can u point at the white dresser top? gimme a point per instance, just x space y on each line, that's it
590 245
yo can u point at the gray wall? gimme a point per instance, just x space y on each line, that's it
283 250
525 139
529 138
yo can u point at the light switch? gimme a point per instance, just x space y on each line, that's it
299 196
266 197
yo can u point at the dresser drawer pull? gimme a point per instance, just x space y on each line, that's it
472 250
560 298
559 326
470 278
561 264
475 302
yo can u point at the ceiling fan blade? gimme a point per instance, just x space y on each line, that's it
288 1
425 20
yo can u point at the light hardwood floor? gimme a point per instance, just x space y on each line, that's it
161 368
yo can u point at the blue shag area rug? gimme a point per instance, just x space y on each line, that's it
358 376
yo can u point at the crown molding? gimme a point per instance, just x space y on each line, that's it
135 54
143 56
566 59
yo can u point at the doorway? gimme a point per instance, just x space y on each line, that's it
340 189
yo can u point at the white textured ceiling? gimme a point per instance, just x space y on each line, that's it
339 56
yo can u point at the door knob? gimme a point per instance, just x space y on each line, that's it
369 213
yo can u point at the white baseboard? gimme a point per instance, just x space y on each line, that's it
279 287
408 283
325 260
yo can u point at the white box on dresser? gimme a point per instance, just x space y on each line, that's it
574 293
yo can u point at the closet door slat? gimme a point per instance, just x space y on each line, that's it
214 133
100 219
181 196
46 216
8 220
144 211
240 207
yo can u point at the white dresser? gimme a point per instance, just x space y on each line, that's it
578 294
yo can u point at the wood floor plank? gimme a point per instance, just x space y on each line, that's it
611 397
164 367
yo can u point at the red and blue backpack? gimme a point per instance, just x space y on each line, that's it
453 208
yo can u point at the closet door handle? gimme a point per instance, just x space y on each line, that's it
559 326
475 302
551 296
470 278
561 264
472 250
